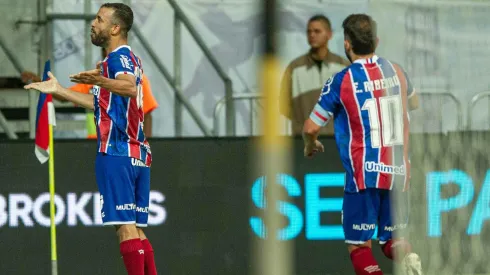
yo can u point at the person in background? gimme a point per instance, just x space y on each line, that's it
304 77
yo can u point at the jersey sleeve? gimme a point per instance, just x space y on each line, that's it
329 101
149 101
120 63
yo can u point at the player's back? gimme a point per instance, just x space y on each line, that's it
371 123
119 118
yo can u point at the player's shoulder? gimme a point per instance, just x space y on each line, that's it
399 68
338 77
123 52
394 64
123 58
335 81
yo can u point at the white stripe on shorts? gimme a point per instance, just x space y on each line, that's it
118 223
354 242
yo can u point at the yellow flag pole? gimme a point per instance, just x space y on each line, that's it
274 155
52 209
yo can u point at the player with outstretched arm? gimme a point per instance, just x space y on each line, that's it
122 165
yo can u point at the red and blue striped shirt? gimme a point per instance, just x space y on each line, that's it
119 119
369 101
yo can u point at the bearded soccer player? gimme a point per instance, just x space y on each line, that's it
370 101
149 101
122 165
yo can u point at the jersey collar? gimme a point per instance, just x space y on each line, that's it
367 60
120 47
117 49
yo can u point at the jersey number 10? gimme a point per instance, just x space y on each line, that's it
389 117
139 96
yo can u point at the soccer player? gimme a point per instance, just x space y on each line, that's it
149 101
370 101
122 165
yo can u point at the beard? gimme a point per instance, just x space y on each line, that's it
347 55
100 40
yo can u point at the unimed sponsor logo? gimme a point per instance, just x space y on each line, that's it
371 166
137 162
72 209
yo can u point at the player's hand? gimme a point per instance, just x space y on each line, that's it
312 149
29 77
48 87
89 77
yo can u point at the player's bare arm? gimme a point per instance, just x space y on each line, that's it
413 101
123 85
52 86
310 137
28 77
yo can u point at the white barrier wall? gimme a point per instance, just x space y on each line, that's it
443 46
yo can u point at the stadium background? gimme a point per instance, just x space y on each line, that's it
204 214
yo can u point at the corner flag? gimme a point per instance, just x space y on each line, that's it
45 120
45 116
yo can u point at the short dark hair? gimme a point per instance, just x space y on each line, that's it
321 18
123 16
360 30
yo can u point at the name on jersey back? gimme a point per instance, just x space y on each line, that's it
378 84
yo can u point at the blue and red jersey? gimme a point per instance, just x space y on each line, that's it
369 101
119 119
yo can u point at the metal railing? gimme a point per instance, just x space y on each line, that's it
6 127
146 45
175 82
439 116
18 67
10 56
471 104
255 97
180 16
252 98
163 70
